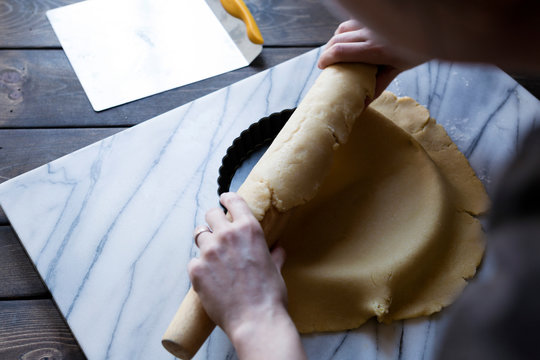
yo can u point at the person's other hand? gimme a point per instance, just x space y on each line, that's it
240 286
353 42
236 277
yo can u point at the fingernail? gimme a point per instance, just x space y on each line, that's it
225 195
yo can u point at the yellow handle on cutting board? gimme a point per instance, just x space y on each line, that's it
239 10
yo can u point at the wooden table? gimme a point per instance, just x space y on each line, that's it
45 114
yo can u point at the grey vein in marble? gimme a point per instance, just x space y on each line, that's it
109 226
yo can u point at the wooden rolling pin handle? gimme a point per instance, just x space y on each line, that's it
189 328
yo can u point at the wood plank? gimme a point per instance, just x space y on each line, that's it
19 277
34 329
24 150
293 23
529 82
282 22
24 24
38 88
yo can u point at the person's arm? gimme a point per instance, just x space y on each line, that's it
270 335
504 33
240 286
353 42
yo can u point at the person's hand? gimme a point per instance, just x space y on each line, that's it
353 42
240 286
235 276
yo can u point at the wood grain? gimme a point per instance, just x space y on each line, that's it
23 23
293 23
19 278
42 146
38 88
23 150
34 329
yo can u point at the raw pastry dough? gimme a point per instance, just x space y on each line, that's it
293 168
391 232
381 226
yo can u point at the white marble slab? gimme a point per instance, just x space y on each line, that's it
109 226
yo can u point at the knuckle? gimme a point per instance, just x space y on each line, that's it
344 26
244 229
213 211
367 33
252 229
211 253
348 26
330 42
226 235
247 225
236 201
242 225
229 197
356 24
195 270
336 51
357 36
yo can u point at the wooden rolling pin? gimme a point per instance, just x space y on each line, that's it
288 175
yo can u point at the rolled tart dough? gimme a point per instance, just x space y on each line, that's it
293 168
392 231
375 209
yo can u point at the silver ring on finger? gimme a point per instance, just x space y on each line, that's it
198 231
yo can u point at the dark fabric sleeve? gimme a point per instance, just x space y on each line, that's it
519 195
498 315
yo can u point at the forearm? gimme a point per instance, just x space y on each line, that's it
269 336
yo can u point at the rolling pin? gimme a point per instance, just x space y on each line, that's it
288 175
